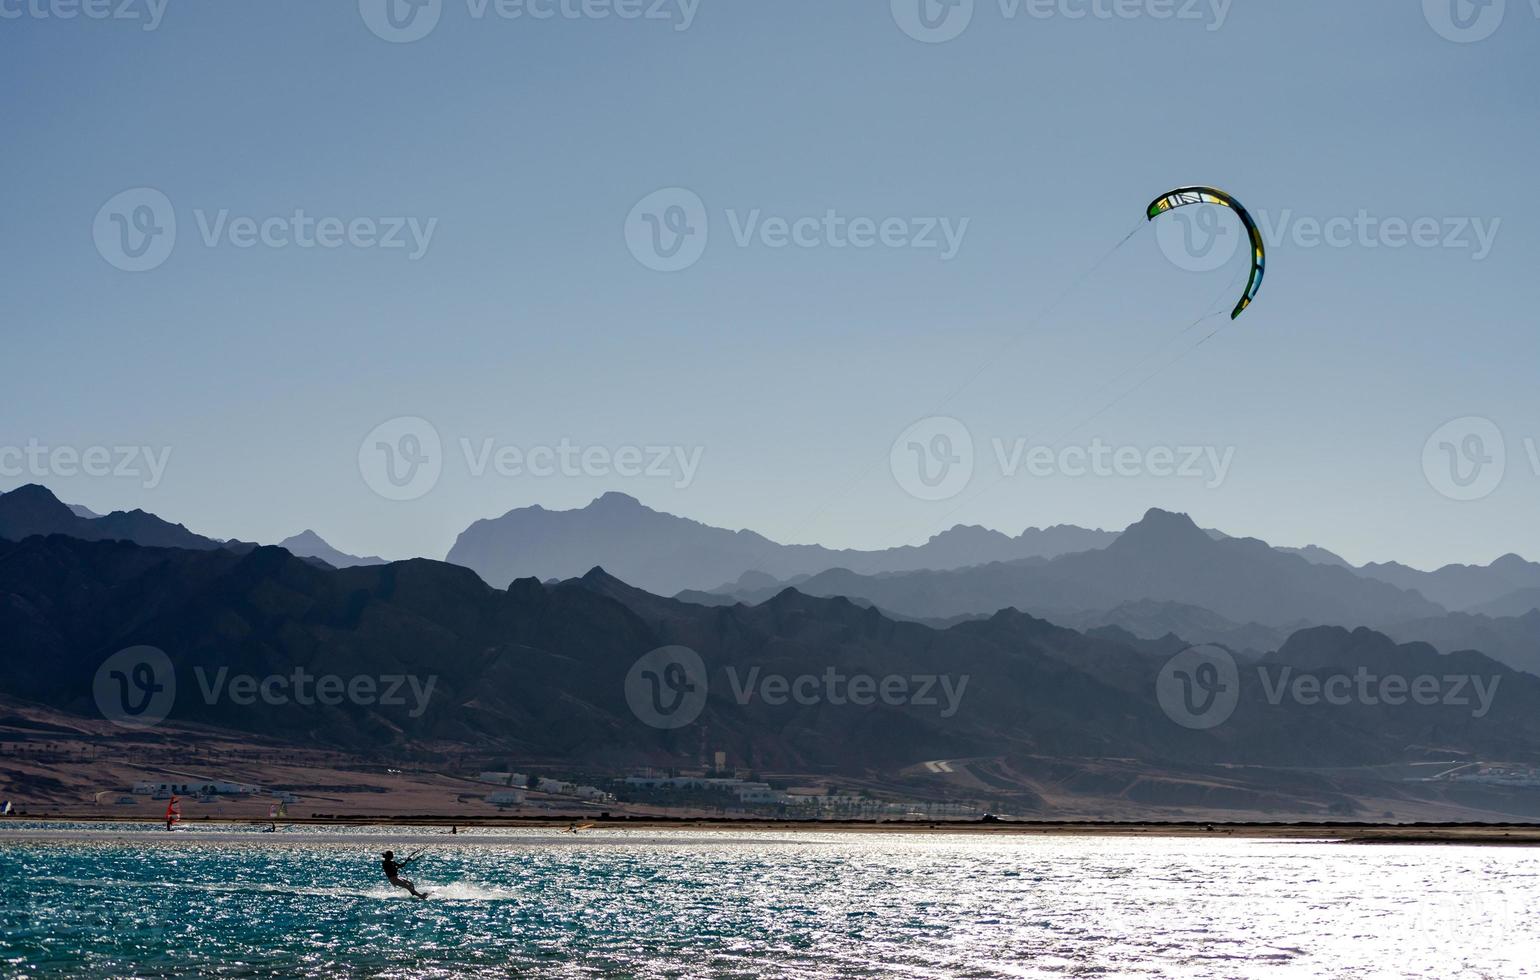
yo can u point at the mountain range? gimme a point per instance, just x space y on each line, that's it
670 555
666 554
1160 577
1164 557
1165 576
1507 583
539 671
33 509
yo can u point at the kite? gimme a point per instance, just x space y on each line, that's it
1183 196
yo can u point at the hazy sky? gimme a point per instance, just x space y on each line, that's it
489 262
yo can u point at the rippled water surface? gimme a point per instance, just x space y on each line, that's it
672 904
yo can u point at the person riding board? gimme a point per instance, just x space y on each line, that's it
392 869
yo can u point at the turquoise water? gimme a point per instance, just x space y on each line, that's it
311 903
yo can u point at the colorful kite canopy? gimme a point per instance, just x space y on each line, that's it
1183 196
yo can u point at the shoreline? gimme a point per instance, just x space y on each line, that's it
1360 833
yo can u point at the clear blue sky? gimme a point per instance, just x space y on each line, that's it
528 320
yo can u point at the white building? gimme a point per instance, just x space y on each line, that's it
761 793
1500 776
508 797
195 787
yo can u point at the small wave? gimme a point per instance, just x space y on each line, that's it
465 892
452 892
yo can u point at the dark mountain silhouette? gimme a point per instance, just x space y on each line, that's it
1165 558
1445 719
308 544
1461 587
666 554
33 509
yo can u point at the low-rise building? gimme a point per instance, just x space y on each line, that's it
195 787
761 794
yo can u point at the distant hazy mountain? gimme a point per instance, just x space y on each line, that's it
86 512
1318 556
1164 557
666 554
1461 587
1152 619
1314 554
1513 604
32 509
1512 640
308 544
1147 619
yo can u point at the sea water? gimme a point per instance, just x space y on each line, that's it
610 903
